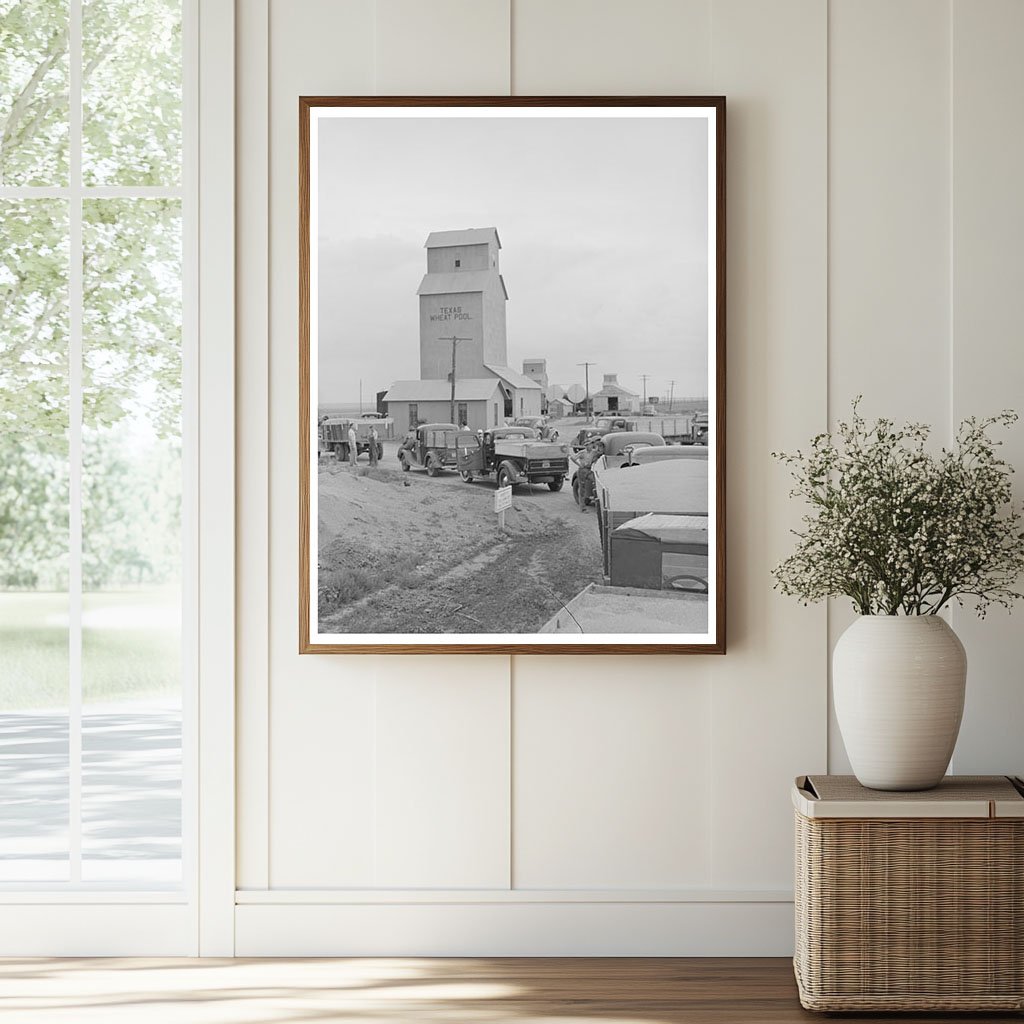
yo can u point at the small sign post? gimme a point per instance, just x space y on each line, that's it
502 501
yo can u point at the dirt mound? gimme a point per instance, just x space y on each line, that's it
380 528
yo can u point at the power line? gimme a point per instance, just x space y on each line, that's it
455 341
586 374
645 377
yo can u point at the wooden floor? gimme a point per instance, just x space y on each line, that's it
381 991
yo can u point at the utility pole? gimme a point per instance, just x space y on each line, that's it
360 396
586 374
671 393
645 377
455 341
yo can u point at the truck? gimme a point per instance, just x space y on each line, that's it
678 428
607 609
515 455
333 433
674 487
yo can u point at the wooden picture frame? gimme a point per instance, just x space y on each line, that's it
378 581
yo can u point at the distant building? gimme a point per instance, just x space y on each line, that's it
479 404
559 407
536 370
613 397
462 322
524 395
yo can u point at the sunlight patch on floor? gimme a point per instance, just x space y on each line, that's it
147 991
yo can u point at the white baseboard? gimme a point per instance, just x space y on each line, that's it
97 929
514 928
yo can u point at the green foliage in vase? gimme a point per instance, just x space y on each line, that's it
900 529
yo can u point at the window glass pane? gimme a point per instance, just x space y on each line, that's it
33 540
33 92
131 541
131 92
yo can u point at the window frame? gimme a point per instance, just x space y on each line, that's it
75 918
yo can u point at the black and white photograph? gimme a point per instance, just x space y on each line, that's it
512 384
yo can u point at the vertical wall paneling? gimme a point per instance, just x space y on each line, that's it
607 48
321 708
252 591
612 765
988 332
442 754
442 775
442 48
609 793
611 755
889 256
216 300
889 220
323 764
769 692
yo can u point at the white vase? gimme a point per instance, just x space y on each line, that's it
898 684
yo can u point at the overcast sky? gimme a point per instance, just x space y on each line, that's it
603 226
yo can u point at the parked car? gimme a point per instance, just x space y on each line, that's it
619 445
514 455
617 448
607 424
521 433
642 455
333 433
431 446
539 423
583 438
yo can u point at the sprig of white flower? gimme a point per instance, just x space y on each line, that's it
898 529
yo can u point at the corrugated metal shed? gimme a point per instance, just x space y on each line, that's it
467 236
516 380
441 390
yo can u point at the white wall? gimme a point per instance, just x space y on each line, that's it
524 806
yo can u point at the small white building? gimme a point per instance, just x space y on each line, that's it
558 408
479 404
526 396
613 397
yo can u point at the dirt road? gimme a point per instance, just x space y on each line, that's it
406 553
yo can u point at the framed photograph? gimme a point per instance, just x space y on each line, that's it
512 375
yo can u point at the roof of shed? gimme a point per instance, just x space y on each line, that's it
614 390
516 380
441 391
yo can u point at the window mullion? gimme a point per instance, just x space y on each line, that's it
75 334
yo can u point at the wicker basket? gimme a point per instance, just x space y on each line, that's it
910 901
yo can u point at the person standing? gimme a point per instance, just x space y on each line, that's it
585 477
353 445
373 447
